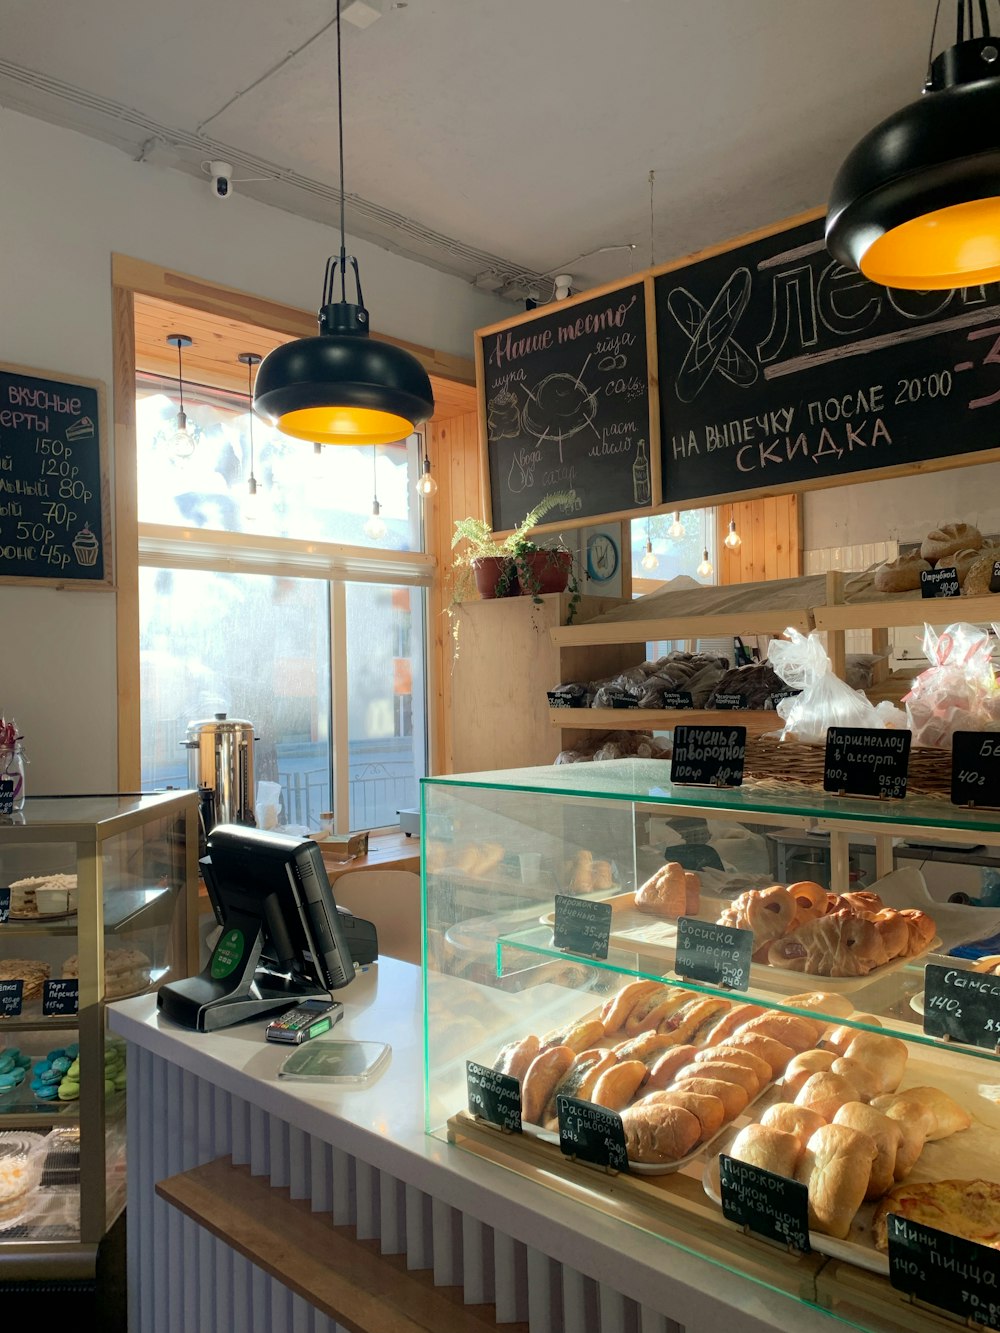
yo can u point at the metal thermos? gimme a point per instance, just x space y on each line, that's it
220 765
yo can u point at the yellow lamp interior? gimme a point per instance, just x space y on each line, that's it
951 247
344 425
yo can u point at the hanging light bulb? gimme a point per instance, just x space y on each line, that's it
318 463
705 569
426 485
343 387
676 529
916 202
375 527
182 441
732 539
251 501
649 560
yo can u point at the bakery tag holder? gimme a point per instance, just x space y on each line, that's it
581 927
866 761
963 1006
713 954
592 1134
493 1098
944 1272
60 996
708 756
941 581
773 1207
975 769
11 998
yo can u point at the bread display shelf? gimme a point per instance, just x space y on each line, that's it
758 722
903 612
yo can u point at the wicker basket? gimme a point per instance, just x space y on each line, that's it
788 764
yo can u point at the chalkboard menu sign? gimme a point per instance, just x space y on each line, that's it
566 408
780 369
718 955
960 1005
591 1133
4 905
54 518
945 1270
581 926
11 996
770 1205
493 1096
866 761
709 756
60 996
975 768
940 582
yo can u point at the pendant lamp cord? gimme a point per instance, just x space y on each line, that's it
250 394
180 376
340 132
375 473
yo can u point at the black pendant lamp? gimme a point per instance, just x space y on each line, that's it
342 387
916 204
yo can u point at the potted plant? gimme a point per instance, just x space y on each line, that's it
498 568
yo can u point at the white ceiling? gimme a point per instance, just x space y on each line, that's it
506 135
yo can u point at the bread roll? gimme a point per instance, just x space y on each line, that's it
885 1056
835 1168
768 1148
709 1111
776 1053
618 1085
801 1121
949 538
646 1015
886 1136
825 1093
648 1047
736 1055
577 1036
977 579
731 1022
617 1009
730 1073
802 1067
516 1056
544 1072
733 1098
866 1079
490 856
839 1038
946 1116
798 1033
901 574
823 1002
915 1121
668 1066
694 1021
578 1081
659 1133
665 893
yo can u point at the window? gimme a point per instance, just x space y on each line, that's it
675 555
277 617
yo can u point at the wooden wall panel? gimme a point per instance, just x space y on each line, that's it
771 529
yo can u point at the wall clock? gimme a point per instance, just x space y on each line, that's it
602 557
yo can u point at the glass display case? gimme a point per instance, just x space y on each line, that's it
97 902
854 1017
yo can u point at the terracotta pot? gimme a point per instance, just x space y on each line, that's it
546 571
495 576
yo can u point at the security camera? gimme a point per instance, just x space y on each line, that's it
222 179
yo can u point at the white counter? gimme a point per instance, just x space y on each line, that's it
193 1097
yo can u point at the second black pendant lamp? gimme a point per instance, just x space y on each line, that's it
342 387
916 203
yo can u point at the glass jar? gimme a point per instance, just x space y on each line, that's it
12 762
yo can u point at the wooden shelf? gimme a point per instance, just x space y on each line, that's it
911 611
724 623
347 1279
757 721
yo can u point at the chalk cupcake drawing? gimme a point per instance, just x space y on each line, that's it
712 346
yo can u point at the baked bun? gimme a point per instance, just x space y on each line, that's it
516 1057
578 1081
657 1133
804 1066
865 1078
915 1121
665 893
802 1121
769 1148
577 1036
823 1002
977 579
948 539
799 1033
708 1111
902 574
730 1072
735 1055
668 1066
732 1022
886 1136
836 1168
946 1117
544 1073
619 1084
733 1098
825 1093
839 1038
776 1053
617 1009
885 1057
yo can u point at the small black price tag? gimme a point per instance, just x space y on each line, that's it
940 582
4 905
962 1005
995 577
774 699
581 926
591 1133
769 1205
6 796
493 1096
677 699
718 955
944 1270
557 700
864 761
731 701
61 996
709 756
975 768
624 701
11 993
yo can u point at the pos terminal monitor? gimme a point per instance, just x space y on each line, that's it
283 938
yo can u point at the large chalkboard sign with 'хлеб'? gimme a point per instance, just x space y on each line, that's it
781 370
565 407
54 515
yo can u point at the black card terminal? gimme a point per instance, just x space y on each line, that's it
311 1018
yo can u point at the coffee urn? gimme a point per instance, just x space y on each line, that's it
220 765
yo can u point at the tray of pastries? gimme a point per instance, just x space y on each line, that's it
870 1127
679 1067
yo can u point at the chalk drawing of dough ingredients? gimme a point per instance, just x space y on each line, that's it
712 345
504 418
559 408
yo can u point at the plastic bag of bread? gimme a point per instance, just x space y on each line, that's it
826 701
958 691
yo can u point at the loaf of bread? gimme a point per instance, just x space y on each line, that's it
949 538
733 1097
886 1136
768 1148
577 1036
902 574
617 1085
801 1121
709 1111
836 1168
803 1066
776 1053
544 1073
825 1093
671 892
798 1033
735 1055
669 1064
659 1132
865 1078
977 579
884 1056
